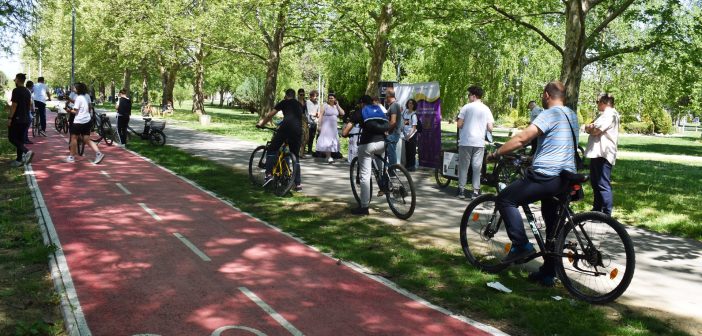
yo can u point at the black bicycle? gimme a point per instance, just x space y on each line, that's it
596 258
103 129
283 172
61 121
36 124
394 181
153 131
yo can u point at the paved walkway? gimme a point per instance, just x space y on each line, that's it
668 269
135 261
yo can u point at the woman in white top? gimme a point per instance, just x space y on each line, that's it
81 124
327 115
409 131
602 151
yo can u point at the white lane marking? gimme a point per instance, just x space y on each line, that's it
119 185
279 318
151 212
73 316
192 247
360 269
106 174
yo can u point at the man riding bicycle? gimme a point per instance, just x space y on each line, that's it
372 142
555 128
289 131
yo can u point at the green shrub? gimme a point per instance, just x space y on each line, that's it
639 127
662 122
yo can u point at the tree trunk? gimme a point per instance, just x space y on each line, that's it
199 81
127 80
170 83
221 97
573 53
144 85
101 88
380 49
271 84
113 93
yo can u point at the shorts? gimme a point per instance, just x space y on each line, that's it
81 129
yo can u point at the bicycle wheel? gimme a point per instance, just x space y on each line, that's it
400 193
257 166
355 179
483 235
284 174
441 181
108 132
598 258
506 173
157 138
58 124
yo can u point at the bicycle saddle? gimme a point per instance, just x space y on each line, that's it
573 178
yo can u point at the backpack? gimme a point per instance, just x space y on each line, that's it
374 120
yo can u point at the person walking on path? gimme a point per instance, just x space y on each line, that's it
372 142
409 132
289 131
30 87
18 119
554 128
394 115
602 151
41 95
82 125
312 110
328 116
305 122
124 111
474 121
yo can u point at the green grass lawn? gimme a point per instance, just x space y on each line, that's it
440 275
685 145
28 303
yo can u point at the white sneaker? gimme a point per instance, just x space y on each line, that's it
98 157
330 160
69 159
27 157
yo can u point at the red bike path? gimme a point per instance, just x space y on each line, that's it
124 226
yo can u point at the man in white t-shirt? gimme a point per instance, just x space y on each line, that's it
474 121
41 95
312 108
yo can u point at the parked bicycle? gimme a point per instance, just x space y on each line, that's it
61 121
103 129
393 180
596 258
283 171
153 131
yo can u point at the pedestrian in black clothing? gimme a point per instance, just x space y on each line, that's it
18 120
124 111
30 86
290 131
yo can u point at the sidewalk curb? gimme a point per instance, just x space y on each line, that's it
354 266
71 310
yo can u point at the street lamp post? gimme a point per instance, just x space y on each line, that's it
73 43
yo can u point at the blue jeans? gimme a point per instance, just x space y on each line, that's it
601 181
391 147
533 187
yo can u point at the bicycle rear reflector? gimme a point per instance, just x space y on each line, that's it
570 257
613 273
508 247
476 216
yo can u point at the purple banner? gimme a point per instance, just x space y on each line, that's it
429 141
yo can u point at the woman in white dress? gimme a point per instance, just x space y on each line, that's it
327 115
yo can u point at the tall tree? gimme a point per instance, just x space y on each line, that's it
585 22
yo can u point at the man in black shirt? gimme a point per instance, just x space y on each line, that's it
289 131
370 143
19 119
124 110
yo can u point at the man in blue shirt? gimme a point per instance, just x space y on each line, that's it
554 129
